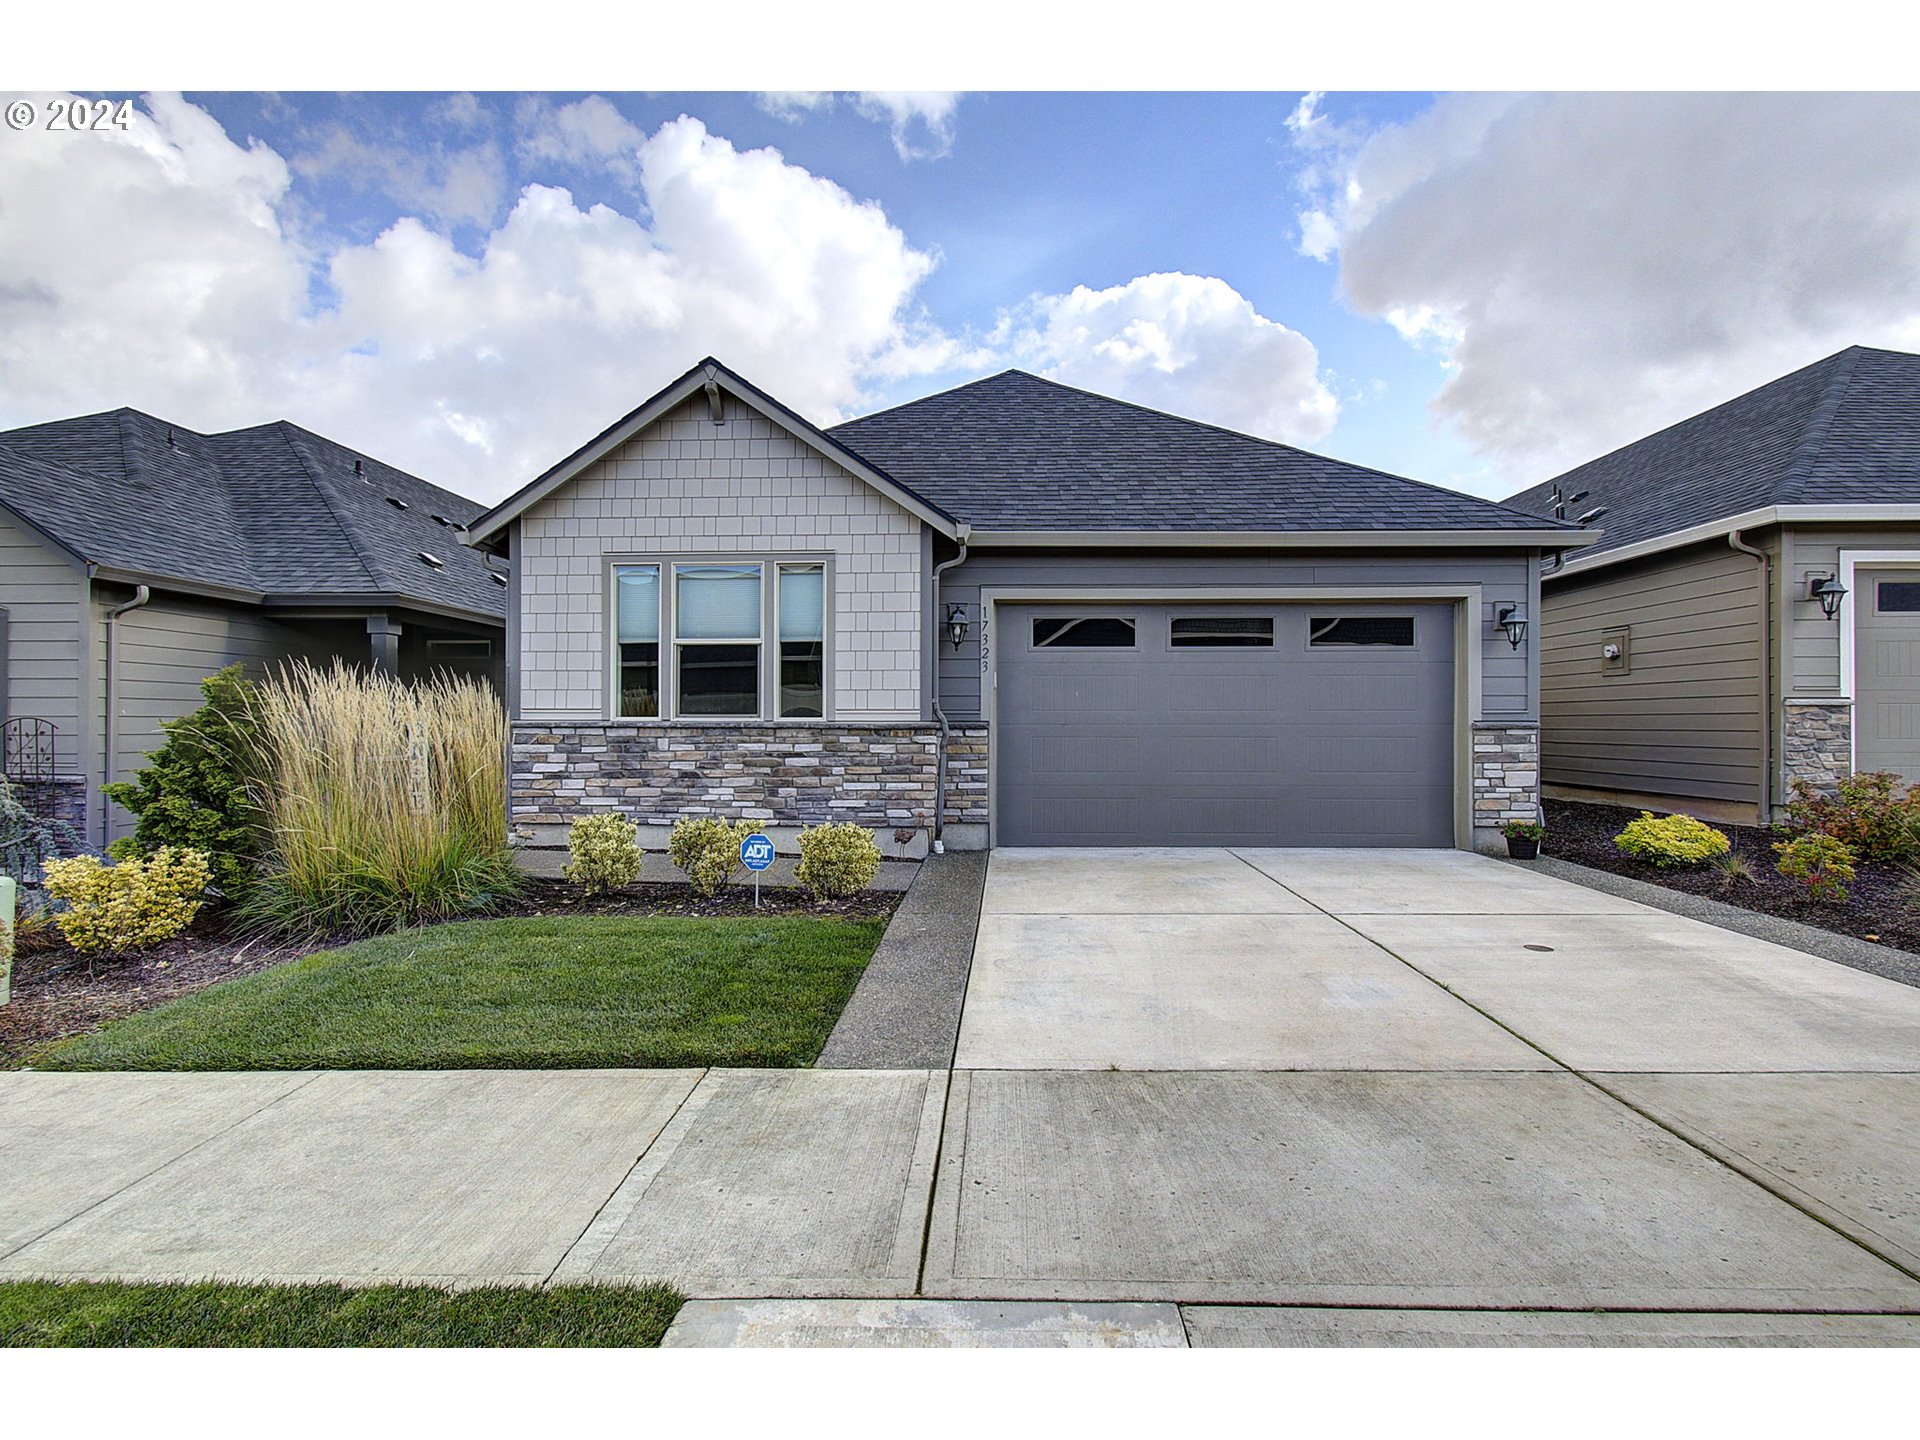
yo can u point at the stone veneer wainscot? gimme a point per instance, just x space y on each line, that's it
877 774
1506 773
1816 743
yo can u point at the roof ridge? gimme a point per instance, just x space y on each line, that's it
57 467
371 460
1207 425
374 575
1819 430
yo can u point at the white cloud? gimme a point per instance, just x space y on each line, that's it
1594 267
159 273
584 133
1190 344
920 121
456 184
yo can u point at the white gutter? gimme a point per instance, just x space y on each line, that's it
141 594
1745 520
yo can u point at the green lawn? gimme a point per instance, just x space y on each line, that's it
113 1314
509 994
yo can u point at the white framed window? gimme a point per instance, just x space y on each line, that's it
720 638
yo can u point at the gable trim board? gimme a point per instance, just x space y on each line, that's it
707 373
1746 520
1285 539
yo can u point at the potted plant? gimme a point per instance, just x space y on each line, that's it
1523 838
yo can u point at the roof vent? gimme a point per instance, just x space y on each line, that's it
498 578
360 469
396 503
433 560
441 520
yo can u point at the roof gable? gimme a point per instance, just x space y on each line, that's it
716 380
1842 431
1018 453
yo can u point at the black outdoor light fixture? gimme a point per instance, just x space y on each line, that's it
1828 590
1513 620
956 623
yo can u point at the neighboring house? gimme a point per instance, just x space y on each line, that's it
1132 628
137 557
1751 612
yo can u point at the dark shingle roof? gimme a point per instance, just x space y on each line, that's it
1016 452
1843 431
273 509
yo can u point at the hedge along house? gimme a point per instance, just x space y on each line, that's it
138 557
1751 614
1015 614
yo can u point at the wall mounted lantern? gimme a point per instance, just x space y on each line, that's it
957 624
1513 620
1828 590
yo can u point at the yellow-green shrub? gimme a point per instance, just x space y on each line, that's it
1672 840
837 860
1822 863
128 906
708 849
604 853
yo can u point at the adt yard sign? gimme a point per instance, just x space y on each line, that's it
756 853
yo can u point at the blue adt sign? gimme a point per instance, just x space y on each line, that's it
756 852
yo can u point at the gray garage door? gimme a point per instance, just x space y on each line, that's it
1886 659
1224 725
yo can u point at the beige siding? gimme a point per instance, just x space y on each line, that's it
44 596
1813 641
168 646
746 487
1685 718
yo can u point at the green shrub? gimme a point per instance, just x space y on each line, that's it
837 860
193 791
1524 830
382 803
1820 863
1873 813
1671 840
603 853
27 842
707 848
129 906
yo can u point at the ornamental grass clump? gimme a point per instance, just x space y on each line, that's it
111 909
603 853
707 849
837 860
382 803
1671 840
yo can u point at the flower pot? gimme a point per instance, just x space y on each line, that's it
1523 848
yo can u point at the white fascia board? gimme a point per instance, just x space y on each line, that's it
486 526
1746 520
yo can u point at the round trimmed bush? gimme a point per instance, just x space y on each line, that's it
837 860
1671 840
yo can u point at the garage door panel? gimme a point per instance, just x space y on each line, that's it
1288 744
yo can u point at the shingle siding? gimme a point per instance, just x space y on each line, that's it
746 487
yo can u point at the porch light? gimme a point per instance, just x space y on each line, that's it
1828 590
1513 620
956 624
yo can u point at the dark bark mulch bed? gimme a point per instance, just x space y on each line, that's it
1875 908
58 993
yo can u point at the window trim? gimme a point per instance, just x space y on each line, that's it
768 690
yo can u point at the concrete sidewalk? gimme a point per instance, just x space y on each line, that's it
1413 1098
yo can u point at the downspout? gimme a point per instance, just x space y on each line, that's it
1738 542
940 764
141 594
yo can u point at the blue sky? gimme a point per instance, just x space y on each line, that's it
468 285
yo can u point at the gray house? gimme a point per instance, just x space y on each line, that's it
1015 614
1751 614
137 557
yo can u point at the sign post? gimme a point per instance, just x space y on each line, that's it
756 853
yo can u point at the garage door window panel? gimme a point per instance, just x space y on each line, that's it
1897 597
1208 632
1354 632
1084 632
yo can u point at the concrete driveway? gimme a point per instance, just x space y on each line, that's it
1207 1097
